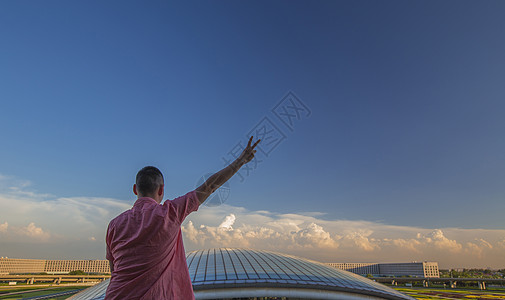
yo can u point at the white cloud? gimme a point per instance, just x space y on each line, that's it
484 243
410 245
313 236
359 239
3 227
34 232
31 217
478 247
228 222
30 233
437 239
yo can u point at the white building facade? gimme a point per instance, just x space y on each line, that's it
416 269
19 266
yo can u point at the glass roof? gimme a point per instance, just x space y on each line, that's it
229 267
246 268
96 292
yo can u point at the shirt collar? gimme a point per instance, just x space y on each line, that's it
144 200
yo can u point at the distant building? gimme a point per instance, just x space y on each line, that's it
17 266
416 269
66 266
358 268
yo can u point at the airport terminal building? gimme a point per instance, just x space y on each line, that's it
231 273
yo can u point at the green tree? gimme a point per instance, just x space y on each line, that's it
77 272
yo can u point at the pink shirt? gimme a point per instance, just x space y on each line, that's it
145 246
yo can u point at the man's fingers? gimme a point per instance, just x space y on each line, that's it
250 140
256 143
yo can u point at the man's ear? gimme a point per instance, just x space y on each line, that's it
160 190
135 189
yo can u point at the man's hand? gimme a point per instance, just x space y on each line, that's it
248 154
219 178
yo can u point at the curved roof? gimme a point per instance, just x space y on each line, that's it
243 273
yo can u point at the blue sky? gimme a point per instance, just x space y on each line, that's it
406 101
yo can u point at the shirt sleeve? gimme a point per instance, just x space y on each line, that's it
182 206
108 253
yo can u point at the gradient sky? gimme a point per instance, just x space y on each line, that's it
406 126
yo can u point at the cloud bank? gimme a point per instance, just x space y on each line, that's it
34 225
310 236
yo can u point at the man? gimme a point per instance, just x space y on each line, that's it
144 244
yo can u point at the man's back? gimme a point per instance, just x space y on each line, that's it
144 244
145 247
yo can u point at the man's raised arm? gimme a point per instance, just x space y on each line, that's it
219 178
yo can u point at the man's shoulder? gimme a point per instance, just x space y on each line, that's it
139 208
119 218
